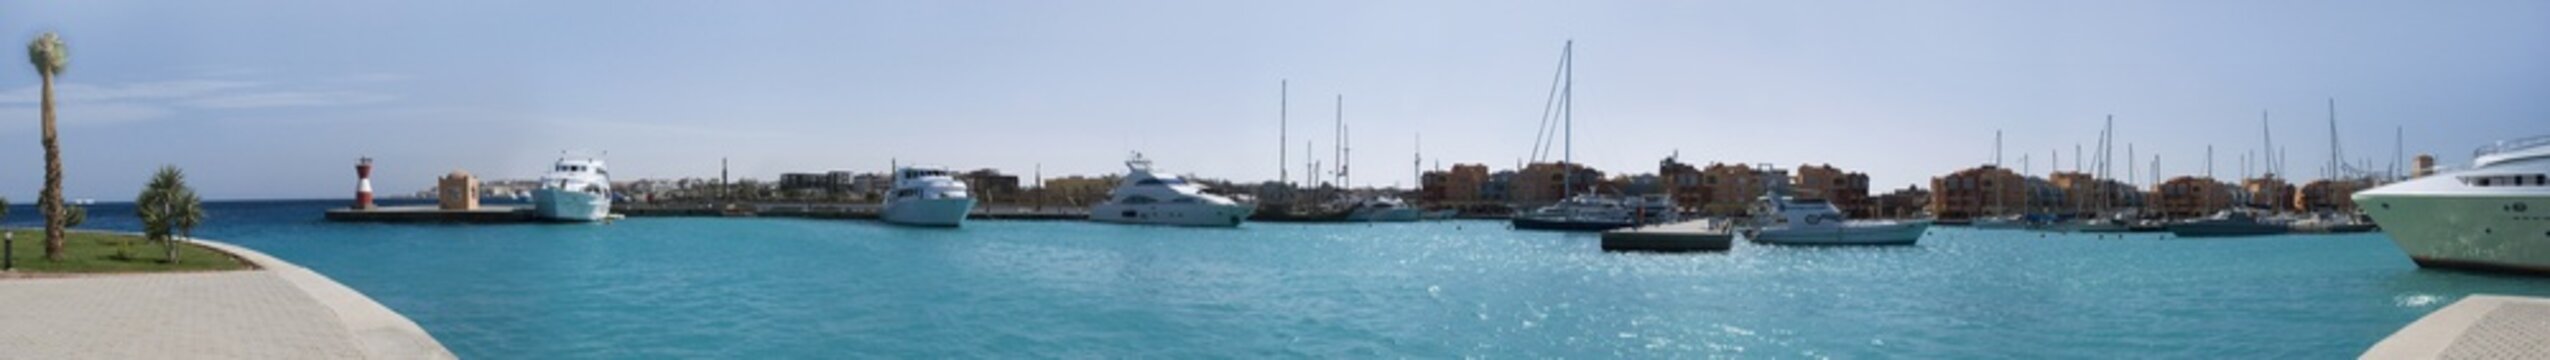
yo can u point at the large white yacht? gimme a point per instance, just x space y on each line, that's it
576 189
1382 208
1145 197
1818 222
927 197
2481 218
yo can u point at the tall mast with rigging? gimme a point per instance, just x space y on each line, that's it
1567 110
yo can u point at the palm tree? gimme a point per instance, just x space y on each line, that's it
168 208
49 57
184 213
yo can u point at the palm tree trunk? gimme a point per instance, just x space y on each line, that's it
52 197
172 245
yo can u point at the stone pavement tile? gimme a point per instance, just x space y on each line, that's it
209 315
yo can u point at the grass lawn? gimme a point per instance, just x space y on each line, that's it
95 252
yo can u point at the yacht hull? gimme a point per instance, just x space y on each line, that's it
2489 233
2225 229
1999 224
1530 223
1906 233
928 212
566 205
1171 214
2094 228
1388 215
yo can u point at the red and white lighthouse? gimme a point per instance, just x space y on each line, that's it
363 184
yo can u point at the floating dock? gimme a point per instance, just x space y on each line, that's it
433 214
2477 327
1695 235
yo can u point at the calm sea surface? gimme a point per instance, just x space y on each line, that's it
790 288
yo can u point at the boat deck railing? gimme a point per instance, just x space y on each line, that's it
2507 146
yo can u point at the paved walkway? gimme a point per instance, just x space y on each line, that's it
282 311
2477 327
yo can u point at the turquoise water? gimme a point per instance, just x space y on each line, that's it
789 288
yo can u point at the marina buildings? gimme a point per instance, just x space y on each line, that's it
1978 192
1846 190
2190 196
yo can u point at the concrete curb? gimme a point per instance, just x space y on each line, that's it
379 332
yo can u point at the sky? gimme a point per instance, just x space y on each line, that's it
276 99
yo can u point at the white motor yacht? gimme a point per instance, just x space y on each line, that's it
1579 213
2001 222
1384 208
2481 218
576 189
1146 197
927 197
1817 222
1653 209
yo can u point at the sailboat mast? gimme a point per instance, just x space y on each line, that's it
1996 148
2337 168
1283 125
1567 110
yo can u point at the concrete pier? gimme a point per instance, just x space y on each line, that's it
429 213
842 211
2477 327
1695 235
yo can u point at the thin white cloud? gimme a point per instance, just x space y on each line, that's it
83 114
158 90
286 99
373 78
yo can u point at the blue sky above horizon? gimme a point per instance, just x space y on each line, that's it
275 99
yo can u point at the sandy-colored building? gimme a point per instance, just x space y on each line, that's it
1908 202
2188 197
2328 195
458 191
1543 183
1732 189
1977 192
1460 185
1846 190
2080 192
1682 182
2269 192
2425 165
